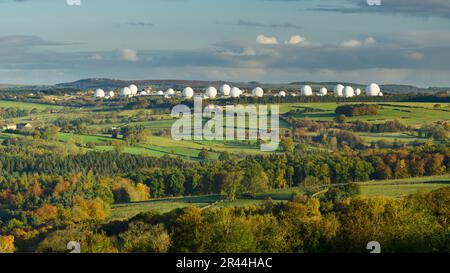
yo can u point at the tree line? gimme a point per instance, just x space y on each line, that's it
418 223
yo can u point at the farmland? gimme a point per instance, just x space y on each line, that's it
414 114
113 166
387 188
27 105
410 114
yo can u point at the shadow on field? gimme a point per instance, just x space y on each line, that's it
438 182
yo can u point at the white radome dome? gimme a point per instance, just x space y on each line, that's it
339 90
282 94
373 90
306 91
349 92
133 89
126 91
111 94
258 92
323 91
235 92
225 90
358 92
380 94
211 92
170 92
160 93
188 92
99 93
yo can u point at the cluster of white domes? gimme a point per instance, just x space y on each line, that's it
212 92
372 90
129 91
339 91
227 91
100 94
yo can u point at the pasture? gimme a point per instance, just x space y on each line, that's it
27 105
125 211
403 187
386 188
413 114
159 143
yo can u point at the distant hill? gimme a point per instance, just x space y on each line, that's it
179 84
115 84
104 83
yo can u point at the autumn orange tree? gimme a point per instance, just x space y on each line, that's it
7 244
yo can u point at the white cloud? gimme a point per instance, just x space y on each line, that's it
300 41
128 54
266 40
351 43
356 43
295 40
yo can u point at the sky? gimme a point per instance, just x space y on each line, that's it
270 41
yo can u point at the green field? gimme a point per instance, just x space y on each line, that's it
385 188
27 105
164 145
416 116
125 211
390 137
402 187
160 146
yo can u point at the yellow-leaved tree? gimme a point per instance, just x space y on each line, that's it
7 244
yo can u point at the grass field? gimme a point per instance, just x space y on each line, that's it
164 145
27 105
160 146
385 188
402 187
420 113
125 211
390 137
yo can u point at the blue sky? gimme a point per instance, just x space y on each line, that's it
401 41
